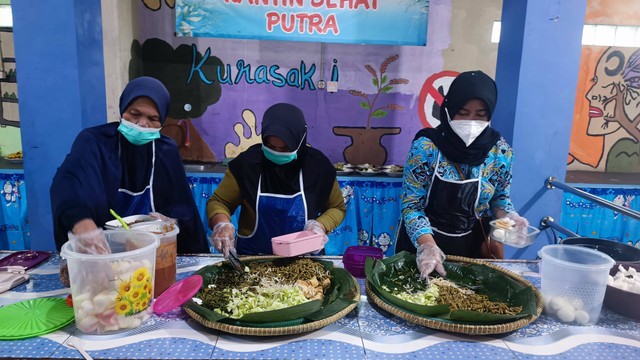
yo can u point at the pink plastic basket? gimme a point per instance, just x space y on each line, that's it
298 243
355 256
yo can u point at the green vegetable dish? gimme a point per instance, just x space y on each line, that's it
273 292
471 293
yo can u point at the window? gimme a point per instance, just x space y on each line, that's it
603 35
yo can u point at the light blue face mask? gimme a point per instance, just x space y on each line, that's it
136 134
281 158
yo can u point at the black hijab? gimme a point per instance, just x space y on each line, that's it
286 122
466 86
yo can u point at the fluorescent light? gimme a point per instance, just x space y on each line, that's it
495 32
6 17
588 34
602 35
605 35
625 36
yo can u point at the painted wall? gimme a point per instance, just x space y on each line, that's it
606 120
231 84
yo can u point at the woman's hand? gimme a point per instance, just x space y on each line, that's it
88 238
223 238
318 228
429 257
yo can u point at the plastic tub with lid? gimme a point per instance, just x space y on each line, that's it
574 282
112 292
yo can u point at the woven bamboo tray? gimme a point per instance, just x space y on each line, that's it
278 330
460 327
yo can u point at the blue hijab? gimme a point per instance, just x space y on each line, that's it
101 161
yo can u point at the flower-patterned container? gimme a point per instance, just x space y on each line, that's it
113 292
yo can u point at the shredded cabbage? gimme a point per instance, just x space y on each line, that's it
258 299
424 297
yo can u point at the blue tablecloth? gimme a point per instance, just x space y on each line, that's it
366 333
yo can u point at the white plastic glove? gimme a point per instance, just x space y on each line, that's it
318 228
91 242
521 223
429 257
223 238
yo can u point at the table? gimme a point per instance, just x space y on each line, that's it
366 333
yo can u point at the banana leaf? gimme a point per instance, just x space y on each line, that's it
482 279
341 293
378 273
338 296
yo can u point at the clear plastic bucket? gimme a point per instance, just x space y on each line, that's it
574 281
166 255
113 292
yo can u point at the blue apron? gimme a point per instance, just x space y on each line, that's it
137 203
276 215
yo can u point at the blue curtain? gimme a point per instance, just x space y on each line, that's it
14 227
592 220
373 210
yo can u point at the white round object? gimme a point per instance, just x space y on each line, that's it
566 314
187 107
556 303
582 317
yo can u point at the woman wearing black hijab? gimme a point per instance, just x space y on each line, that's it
282 186
456 174
129 167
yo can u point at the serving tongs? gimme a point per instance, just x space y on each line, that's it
235 260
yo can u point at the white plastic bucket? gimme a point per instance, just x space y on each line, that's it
574 281
113 292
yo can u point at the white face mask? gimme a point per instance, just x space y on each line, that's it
468 130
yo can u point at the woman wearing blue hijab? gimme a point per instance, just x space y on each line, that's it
127 166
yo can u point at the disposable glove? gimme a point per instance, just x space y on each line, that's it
317 228
91 242
429 257
521 223
223 238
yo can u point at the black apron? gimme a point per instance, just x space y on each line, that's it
451 209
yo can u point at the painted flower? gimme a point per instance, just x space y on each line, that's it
141 275
123 307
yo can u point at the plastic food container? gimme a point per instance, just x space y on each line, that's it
513 237
133 220
574 282
355 256
166 254
113 292
298 243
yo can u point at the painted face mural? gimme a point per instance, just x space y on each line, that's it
614 108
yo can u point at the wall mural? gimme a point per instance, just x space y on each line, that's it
216 105
156 4
366 146
606 134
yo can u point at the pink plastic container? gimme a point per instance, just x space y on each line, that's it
355 256
298 243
